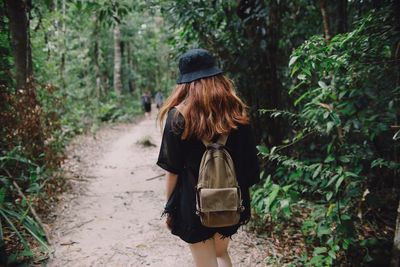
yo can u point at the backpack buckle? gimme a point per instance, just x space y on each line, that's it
215 146
241 209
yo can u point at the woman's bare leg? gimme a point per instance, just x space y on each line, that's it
221 249
204 253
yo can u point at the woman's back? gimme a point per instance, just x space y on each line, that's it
189 152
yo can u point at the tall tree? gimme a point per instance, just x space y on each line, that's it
341 16
325 20
112 14
131 84
63 43
96 55
19 28
117 58
263 35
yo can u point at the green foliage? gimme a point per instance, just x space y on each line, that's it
14 208
146 142
274 200
346 97
252 41
5 49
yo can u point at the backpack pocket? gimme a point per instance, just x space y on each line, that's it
219 207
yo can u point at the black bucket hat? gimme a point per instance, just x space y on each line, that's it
196 64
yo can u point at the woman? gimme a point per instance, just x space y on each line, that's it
146 103
203 106
159 99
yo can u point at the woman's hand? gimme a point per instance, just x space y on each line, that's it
168 221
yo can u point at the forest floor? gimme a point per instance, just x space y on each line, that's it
110 216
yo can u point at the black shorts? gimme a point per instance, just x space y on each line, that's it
195 236
147 107
203 233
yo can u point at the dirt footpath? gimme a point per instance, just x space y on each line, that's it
111 216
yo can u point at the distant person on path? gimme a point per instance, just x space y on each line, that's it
203 106
146 103
159 99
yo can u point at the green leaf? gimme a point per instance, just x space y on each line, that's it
272 196
322 84
263 150
317 171
294 70
344 159
346 244
26 253
307 71
298 100
329 126
339 182
319 250
14 228
301 77
2 195
323 230
287 187
329 159
328 196
317 261
351 174
330 209
37 237
332 254
292 60
332 180
297 85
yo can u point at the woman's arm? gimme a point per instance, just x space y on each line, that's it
171 179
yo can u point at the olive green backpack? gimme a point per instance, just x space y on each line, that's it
218 197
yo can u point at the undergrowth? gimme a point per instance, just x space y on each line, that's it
37 124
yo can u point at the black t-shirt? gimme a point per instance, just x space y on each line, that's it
183 157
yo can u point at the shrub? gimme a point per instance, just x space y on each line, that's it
339 162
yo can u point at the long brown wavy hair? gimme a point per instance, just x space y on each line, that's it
210 107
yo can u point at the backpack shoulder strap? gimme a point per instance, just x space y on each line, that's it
221 140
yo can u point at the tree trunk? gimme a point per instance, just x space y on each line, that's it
275 87
341 16
19 28
26 109
130 66
325 20
117 59
64 44
96 56
395 262
263 33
